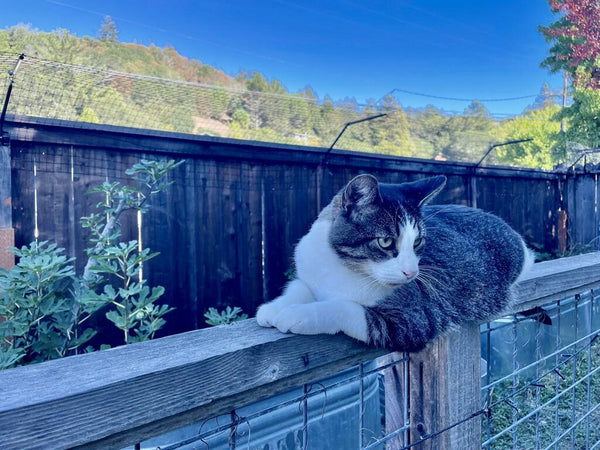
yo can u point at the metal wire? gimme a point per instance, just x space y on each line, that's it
532 409
51 90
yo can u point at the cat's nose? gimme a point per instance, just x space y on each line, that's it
409 274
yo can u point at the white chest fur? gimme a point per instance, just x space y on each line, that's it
321 269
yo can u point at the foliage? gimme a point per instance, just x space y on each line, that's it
576 49
46 306
35 303
134 312
227 316
108 30
463 137
576 37
583 118
541 125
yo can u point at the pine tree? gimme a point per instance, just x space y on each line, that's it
108 30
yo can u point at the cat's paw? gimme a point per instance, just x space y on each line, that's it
294 319
266 313
303 319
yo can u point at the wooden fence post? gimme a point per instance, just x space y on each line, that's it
7 234
445 388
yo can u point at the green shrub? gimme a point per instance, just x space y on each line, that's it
45 306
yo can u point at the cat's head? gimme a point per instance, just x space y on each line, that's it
379 230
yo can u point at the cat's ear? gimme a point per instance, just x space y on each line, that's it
423 191
362 191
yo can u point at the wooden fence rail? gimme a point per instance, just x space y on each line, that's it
117 397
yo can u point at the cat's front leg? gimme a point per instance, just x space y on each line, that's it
327 317
296 292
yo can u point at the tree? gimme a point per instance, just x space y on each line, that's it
544 99
583 118
576 49
469 133
108 31
543 126
576 39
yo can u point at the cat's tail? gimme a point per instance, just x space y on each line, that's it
529 259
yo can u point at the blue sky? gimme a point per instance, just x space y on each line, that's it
468 49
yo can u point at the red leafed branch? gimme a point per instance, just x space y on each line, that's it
582 30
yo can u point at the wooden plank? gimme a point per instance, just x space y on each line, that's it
89 172
23 199
125 391
5 188
583 225
251 225
225 209
167 228
291 207
445 389
278 251
210 233
186 183
54 196
562 215
116 165
551 209
554 279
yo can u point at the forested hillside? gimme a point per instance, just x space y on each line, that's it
105 81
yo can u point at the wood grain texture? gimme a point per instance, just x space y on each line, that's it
5 188
444 389
125 392
7 240
551 280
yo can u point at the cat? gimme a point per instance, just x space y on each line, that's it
381 266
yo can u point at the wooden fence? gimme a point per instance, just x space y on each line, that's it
118 397
226 228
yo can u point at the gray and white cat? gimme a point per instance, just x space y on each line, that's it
383 268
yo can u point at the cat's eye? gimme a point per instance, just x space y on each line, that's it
418 242
386 243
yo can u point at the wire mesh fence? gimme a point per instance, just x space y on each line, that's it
542 377
53 90
348 410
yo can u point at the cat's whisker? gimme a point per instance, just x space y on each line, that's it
370 281
440 209
427 287
432 282
430 268
432 277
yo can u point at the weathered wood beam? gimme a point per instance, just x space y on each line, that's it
52 131
119 396
557 279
